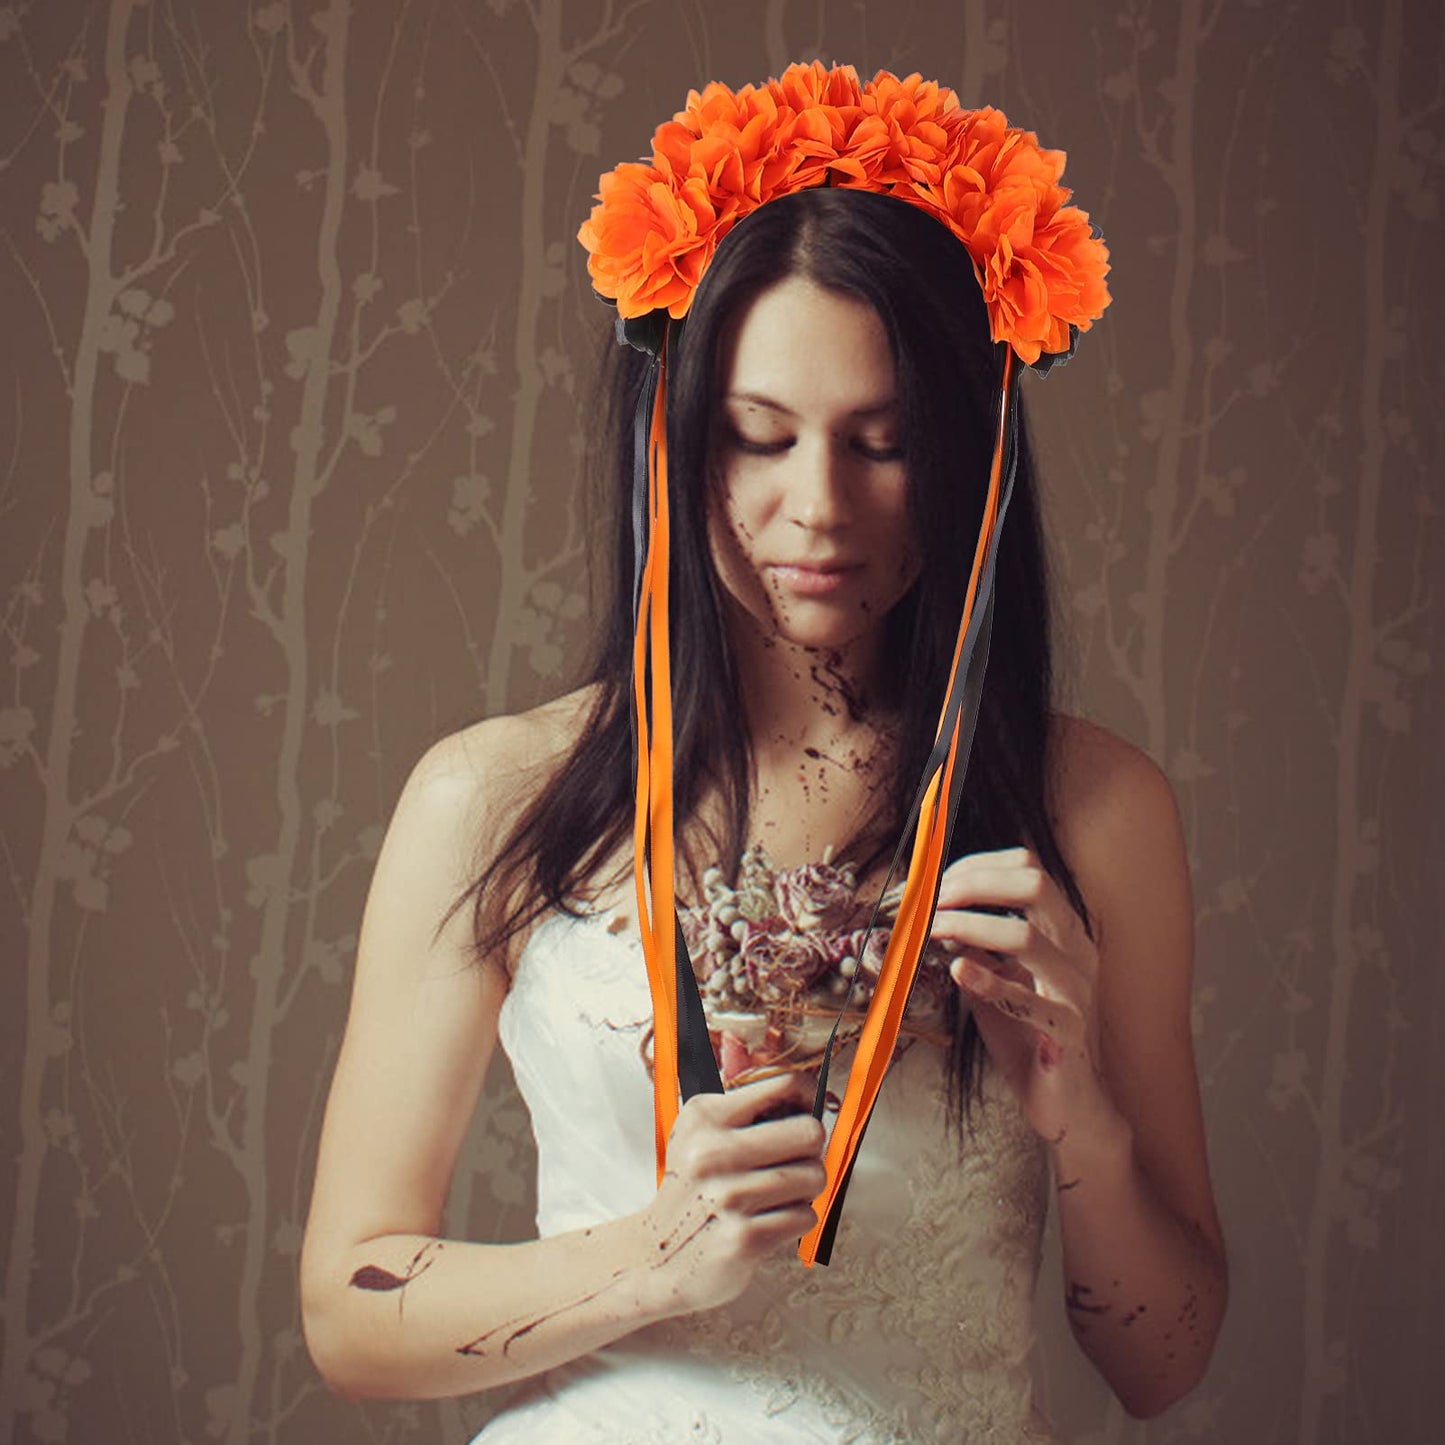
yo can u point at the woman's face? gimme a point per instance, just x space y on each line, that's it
808 469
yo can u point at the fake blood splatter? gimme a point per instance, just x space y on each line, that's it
668 1249
1077 1299
371 1276
383 1281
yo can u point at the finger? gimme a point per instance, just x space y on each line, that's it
1000 933
1003 964
793 1104
745 1103
1027 946
1006 967
1002 891
997 855
1017 885
1053 1017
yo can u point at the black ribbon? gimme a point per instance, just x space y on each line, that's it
965 696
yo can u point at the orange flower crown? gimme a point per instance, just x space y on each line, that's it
1040 263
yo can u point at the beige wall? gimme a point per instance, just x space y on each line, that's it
295 339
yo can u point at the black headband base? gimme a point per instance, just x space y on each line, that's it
643 333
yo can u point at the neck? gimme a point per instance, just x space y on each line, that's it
800 698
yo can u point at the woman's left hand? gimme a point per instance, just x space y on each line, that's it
1033 983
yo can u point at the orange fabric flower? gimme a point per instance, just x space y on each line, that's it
909 128
804 87
656 225
650 240
747 147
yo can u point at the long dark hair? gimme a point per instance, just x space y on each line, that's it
920 281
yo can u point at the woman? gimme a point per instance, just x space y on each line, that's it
829 419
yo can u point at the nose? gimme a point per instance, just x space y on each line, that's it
817 497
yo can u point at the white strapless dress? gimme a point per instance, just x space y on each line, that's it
918 1331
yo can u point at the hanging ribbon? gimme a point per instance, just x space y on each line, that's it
682 1049
951 751
683 1057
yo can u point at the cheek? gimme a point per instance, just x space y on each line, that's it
733 523
730 534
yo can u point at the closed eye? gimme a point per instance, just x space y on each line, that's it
776 448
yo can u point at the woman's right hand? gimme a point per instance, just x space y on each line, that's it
743 1169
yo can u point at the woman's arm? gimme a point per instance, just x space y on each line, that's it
417 1317
389 1309
1145 1277
1093 1036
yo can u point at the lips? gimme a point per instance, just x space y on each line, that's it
814 581
823 568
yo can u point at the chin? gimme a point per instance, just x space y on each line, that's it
819 635
817 623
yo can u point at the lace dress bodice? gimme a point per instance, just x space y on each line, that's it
918 1331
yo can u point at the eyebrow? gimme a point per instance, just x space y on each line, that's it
876 408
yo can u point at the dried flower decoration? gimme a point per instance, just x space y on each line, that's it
774 957
1039 262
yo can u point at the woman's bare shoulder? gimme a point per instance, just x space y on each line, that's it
510 749
1082 731
1101 785
1089 764
473 781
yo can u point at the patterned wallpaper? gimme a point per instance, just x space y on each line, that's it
297 345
